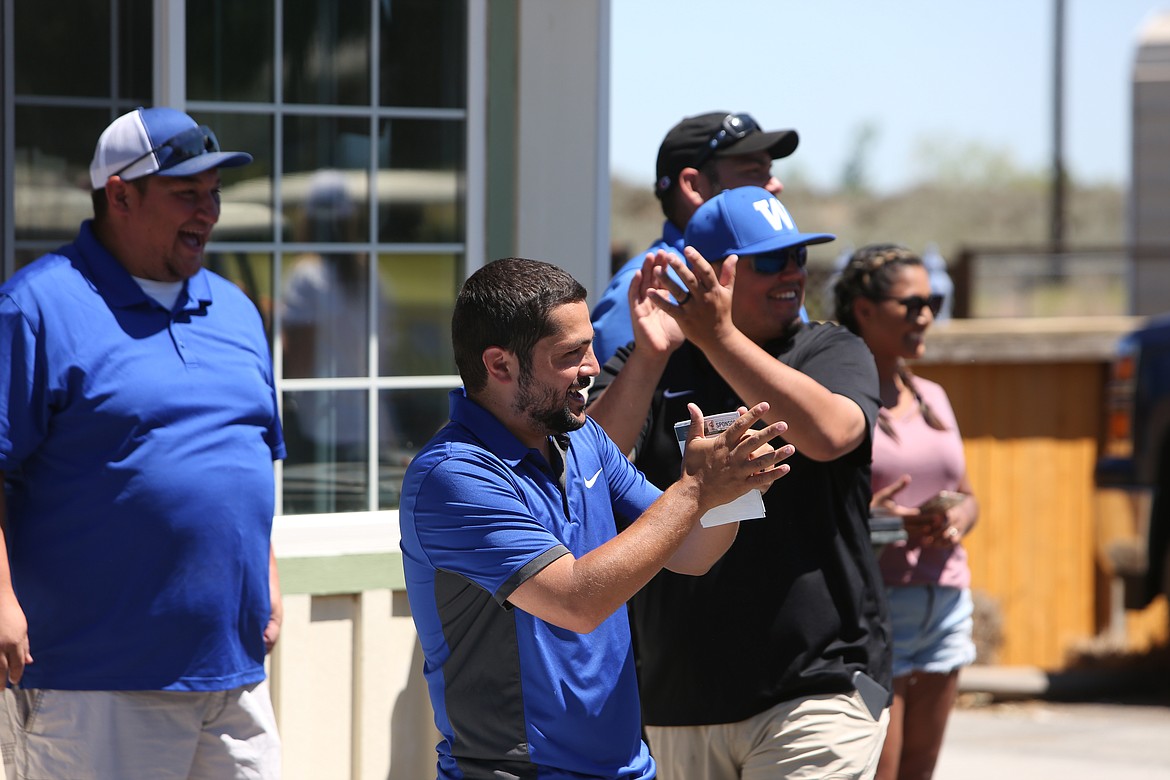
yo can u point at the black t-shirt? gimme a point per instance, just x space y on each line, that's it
797 604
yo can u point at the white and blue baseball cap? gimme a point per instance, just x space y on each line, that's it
160 141
745 221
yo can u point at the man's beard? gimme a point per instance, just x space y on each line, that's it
546 406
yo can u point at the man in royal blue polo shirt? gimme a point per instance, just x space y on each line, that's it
516 574
138 425
700 157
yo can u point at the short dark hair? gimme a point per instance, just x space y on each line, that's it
101 206
669 199
506 304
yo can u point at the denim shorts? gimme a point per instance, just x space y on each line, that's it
931 628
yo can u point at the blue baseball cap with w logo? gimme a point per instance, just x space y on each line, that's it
745 221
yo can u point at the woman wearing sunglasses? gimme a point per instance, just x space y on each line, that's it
919 473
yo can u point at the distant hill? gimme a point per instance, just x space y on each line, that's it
953 217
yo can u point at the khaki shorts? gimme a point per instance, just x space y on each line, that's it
141 735
822 737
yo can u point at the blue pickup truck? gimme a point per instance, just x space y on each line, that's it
1136 453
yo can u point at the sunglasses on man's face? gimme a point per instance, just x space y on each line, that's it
733 128
767 263
178 148
915 303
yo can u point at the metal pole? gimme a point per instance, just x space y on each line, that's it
1056 224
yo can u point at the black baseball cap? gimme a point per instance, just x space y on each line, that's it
697 139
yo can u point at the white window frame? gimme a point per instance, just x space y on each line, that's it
373 531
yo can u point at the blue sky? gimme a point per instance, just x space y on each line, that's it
934 71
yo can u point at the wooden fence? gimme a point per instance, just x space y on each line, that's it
1028 399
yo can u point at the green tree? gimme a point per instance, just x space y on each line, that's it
854 176
964 163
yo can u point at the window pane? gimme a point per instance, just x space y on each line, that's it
54 147
54 38
247 190
252 273
423 31
418 415
327 52
420 192
325 315
326 158
326 434
229 50
423 288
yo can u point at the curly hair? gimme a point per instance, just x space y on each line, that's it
870 273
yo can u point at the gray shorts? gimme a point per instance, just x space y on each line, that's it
160 735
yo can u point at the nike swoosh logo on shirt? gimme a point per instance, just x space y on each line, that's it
676 393
592 480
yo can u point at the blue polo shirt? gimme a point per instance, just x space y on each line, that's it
480 514
137 445
611 316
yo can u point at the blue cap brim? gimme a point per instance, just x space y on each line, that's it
207 161
783 241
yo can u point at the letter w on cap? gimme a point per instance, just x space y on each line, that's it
774 211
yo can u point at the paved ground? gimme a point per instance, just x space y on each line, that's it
1043 740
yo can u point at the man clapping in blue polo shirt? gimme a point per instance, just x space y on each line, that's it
516 573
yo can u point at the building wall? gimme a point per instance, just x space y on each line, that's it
547 130
1150 174
348 689
562 136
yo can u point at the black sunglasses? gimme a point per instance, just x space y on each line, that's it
178 148
767 263
915 303
733 128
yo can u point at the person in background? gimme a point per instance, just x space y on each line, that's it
884 295
941 282
138 426
775 663
516 573
700 157
325 315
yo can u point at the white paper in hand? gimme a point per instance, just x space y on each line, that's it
749 506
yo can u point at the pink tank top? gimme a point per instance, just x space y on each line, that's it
934 460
